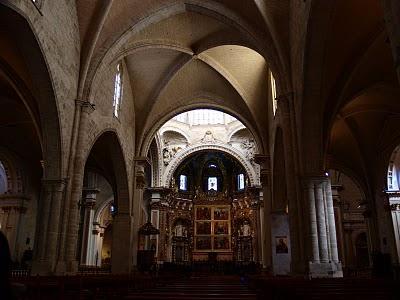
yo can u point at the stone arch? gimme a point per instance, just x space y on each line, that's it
154 156
251 170
238 128
176 130
40 93
247 123
101 208
107 145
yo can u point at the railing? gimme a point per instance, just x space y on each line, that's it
20 273
93 270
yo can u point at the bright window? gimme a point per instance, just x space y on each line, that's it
393 185
273 93
183 182
117 90
240 179
212 183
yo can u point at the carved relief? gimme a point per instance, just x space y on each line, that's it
208 138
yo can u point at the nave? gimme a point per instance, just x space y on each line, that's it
140 133
205 286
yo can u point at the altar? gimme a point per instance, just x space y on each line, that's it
208 227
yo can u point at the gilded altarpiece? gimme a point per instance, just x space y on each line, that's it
205 225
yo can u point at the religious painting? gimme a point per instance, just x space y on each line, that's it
203 227
203 243
203 213
221 243
281 245
221 213
221 228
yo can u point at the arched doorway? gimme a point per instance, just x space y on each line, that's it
105 197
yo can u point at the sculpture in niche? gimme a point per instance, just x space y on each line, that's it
244 229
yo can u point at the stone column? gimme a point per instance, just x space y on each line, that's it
266 200
330 215
121 249
338 211
70 234
312 214
87 233
138 205
297 226
394 202
321 222
322 233
48 227
98 236
349 246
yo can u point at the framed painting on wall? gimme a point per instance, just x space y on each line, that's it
203 213
203 243
221 228
203 228
222 243
221 213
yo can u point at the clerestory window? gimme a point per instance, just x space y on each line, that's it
117 90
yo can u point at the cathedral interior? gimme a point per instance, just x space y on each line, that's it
199 140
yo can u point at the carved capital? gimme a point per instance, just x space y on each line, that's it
141 162
85 106
54 185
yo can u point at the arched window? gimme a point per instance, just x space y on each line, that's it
117 90
393 184
183 182
240 181
273 93
212 184
3 179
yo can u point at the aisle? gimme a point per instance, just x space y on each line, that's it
199 288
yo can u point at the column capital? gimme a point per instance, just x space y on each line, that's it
54 184
141 162
315 178
264 161
86 106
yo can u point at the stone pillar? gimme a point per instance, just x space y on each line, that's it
338 211
297 226
71 233
266 200
258 241
330 215
89 201
321 222
98 236
394 202
121 249
349 247
322 233
138 205
312 215
48 227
